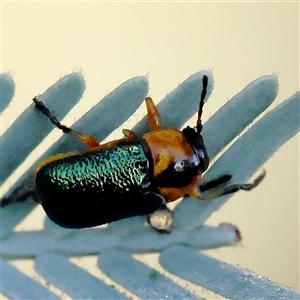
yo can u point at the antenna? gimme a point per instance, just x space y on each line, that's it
43 109
202 98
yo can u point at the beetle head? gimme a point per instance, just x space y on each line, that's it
193 135
195 140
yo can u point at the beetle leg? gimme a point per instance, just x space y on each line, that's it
213 189
214 183
161 219
129 134
153 114
88 140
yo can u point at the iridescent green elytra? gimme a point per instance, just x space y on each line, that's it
109 182
115 170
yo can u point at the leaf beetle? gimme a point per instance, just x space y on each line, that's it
128 177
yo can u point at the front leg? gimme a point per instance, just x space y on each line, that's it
215 188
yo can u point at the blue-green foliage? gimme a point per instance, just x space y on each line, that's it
115 242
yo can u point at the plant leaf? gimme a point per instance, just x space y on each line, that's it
178 251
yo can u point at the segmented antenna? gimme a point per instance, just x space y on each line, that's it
202 98
43 109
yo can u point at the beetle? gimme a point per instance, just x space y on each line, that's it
130 176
